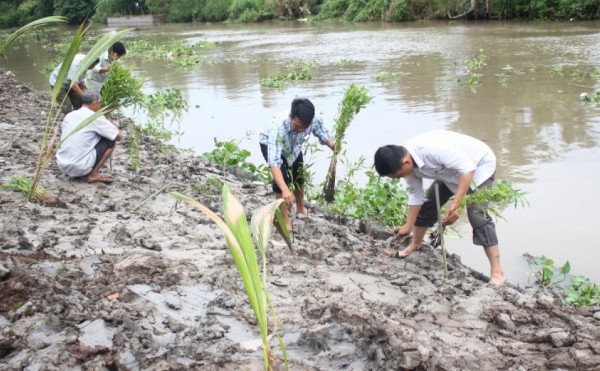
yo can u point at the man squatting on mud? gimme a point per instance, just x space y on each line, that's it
84 153
459 164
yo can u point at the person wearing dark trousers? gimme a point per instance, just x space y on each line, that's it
458 164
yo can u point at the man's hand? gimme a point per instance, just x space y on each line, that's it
288 197
452 215
400 233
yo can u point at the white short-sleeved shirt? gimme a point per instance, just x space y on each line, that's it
74 66
95 79
76 156
445 155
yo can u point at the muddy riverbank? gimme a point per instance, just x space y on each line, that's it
116 281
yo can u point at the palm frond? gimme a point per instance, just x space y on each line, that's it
239 237
28 27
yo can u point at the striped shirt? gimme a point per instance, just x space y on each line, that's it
280 139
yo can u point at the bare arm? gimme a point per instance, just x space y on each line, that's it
464 183
331 144
285 191
411 218
77 89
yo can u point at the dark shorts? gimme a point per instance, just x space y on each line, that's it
294 174
484 229
72 103
101 148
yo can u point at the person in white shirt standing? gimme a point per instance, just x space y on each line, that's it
83 153
459 164
74 93
99 73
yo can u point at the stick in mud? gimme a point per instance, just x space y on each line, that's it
441 228
149 198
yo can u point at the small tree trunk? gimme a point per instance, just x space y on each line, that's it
329 190
467 12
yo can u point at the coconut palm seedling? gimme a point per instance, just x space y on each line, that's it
47 146
355 98
240 237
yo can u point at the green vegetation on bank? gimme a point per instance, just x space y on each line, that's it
579 291
163 109
14 13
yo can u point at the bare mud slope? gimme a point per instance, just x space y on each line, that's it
114 281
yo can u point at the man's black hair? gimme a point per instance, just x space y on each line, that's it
119 48
388 159
304 110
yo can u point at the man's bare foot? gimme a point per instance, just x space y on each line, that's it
497 279
302 212
98 179
406 252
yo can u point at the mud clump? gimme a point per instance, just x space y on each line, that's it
105 283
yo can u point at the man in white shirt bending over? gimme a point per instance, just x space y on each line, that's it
84 153
459 164
74 93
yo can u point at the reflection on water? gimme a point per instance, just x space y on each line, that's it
527 107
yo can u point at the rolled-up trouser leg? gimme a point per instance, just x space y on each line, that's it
428 214
484 229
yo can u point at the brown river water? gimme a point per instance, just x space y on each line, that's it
527 107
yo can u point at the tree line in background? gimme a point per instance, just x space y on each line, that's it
15 13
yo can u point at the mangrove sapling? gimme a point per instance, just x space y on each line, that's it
497 197
355 98
165 106
380 200
240 237
228 154
122 88
47 146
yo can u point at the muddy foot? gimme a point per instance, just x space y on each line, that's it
99 179
302 212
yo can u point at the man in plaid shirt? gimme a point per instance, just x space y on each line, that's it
281 146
